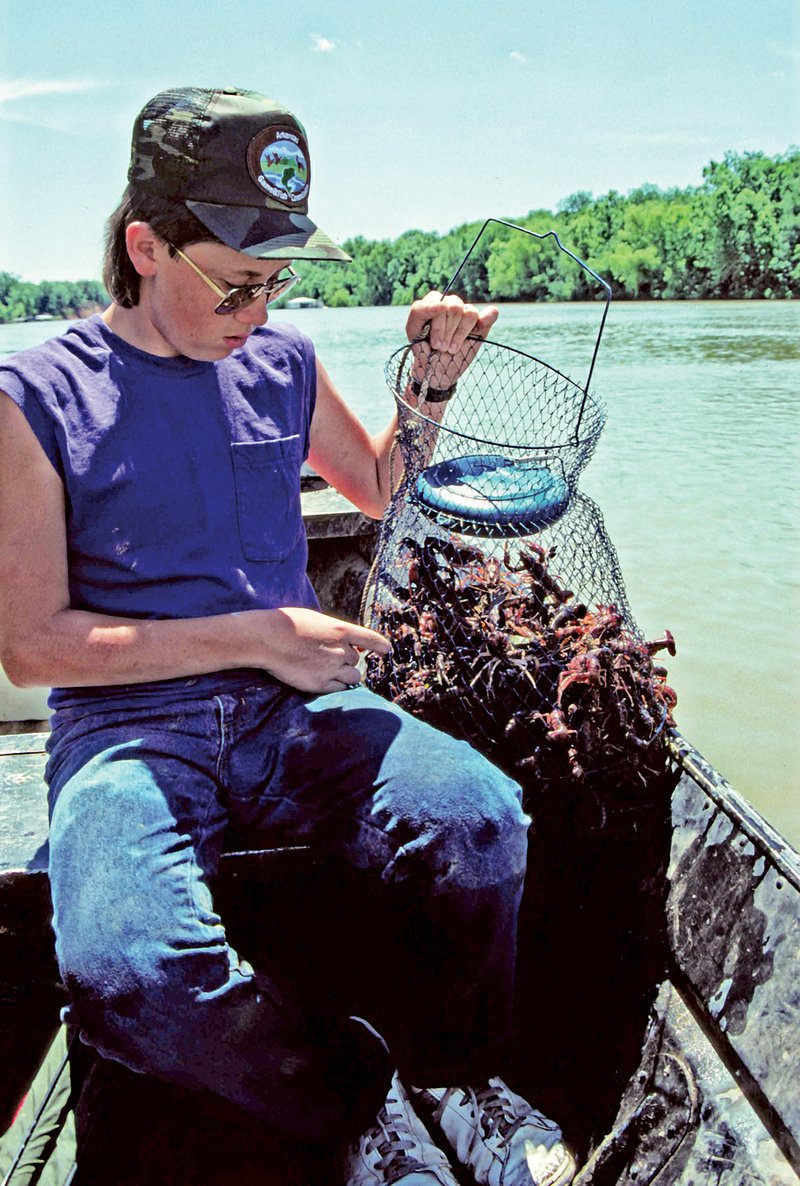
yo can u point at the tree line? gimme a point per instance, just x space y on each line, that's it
21 300
736 235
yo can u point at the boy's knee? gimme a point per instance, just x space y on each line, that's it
115 971
461 825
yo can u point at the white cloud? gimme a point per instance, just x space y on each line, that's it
789 53
516 56
27 88
322 45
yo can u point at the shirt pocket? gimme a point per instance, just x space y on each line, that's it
267 479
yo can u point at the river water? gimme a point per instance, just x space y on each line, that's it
698 478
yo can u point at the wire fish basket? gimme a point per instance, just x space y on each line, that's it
505 454
495 579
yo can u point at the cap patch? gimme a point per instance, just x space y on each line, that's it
277 159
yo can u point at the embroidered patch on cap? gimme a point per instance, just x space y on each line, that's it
277 159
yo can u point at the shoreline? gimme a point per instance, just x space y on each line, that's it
87 311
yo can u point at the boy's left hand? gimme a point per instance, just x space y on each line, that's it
445 353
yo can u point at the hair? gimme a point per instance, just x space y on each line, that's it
170 220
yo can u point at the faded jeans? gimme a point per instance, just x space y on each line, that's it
142 802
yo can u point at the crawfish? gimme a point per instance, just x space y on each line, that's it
585 668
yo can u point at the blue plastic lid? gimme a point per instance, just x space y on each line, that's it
491 493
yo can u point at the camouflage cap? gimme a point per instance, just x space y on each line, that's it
239 162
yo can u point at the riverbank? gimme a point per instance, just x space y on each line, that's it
43 318
301 303
22 300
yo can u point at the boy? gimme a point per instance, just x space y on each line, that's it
153 573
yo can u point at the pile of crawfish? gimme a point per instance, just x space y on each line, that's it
499 653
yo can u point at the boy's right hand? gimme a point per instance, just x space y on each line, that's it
314 652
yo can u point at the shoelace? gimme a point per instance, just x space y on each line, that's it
497 1112
391 1145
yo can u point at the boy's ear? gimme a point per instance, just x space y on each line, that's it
143 244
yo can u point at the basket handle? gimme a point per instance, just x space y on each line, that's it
546 235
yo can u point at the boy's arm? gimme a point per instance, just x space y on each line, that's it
43 642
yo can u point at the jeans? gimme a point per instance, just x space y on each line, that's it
142 802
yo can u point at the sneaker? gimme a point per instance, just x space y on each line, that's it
498 1136
398 1148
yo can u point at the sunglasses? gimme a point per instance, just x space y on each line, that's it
244 294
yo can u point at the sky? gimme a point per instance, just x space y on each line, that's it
420 115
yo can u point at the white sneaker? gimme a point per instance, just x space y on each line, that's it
398 1148
498 1136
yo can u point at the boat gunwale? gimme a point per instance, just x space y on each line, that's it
739 810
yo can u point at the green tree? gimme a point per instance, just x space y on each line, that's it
18 298
750 208
21 300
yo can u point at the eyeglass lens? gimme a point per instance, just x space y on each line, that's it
245 294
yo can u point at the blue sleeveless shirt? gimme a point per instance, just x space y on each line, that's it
182 479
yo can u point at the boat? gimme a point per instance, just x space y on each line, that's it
304 303
658 1005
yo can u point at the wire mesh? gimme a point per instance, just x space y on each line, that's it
506 452
525 647
495 578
